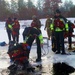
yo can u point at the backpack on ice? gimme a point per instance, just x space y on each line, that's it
3 43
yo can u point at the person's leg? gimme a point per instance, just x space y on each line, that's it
57 42
23 37
38 49
14 38
70 42
53 40
9 35
62 42
49 33
17 38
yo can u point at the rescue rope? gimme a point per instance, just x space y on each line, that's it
44 52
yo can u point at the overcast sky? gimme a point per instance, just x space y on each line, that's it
69 0
62 0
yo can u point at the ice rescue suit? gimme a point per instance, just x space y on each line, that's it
36 23
32 34
58 26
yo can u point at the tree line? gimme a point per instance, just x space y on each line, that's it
25 10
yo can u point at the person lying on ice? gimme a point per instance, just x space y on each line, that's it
19 54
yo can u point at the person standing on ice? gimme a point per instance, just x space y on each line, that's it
8 26
15 30
47 24
70 34
37 25
58 26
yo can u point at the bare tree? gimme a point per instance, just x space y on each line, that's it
30 4
50 6
68 5
40 4
3 9
14 6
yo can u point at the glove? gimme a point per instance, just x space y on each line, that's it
28 47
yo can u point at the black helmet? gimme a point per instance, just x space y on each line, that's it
57 11
9 18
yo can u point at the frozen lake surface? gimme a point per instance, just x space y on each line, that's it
49 61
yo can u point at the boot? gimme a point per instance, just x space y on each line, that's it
38 60
70 47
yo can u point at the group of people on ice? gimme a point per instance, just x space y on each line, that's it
19 53
12 28
29 33
57 26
